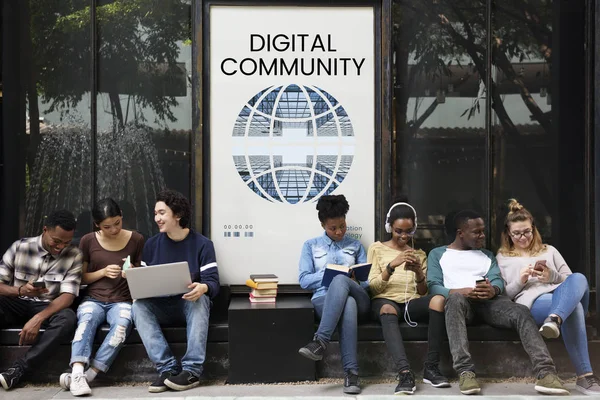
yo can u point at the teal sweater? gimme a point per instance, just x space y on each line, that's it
435 275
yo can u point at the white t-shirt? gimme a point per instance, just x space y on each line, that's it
461 268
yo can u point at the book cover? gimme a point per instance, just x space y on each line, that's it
264 278
261 285
263 292
269 296
361 272
262 299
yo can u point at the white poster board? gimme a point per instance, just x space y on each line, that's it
291 119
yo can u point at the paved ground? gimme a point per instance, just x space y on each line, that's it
330 390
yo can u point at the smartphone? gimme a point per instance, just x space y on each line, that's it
39 284
539 265
482 280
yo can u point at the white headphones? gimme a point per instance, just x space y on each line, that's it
388 226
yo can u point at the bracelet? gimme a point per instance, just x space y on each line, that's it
389 270
19 291
421 281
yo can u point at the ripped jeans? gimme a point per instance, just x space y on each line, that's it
90 315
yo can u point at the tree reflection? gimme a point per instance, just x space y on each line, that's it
441 43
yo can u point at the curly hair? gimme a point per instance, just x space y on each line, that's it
332 206
63 218
178 203
518 213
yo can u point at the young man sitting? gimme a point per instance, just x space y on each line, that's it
469 277
39 279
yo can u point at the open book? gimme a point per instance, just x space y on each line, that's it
361 272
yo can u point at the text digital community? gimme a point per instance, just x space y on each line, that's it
316 46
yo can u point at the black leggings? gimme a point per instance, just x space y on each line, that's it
418 311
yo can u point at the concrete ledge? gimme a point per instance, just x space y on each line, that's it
132 364
493 359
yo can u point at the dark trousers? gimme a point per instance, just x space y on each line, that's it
59 327
499 312
418 311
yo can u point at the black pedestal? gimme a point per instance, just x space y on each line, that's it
264 340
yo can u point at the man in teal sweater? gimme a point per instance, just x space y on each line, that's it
469 278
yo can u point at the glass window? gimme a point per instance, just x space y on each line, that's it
57 165
144 104
538 121
439 110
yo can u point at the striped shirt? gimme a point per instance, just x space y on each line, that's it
27 260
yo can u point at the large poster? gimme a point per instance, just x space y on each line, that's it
291 119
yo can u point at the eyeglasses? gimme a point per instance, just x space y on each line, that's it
408 233
519 235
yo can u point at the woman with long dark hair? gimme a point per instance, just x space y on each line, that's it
107 298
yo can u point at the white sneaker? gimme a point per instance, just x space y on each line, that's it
79 385
65 380
551 328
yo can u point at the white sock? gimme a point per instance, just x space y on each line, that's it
77 369
90 374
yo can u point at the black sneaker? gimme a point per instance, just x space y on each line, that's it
351 385
158 386
11 377
314 350
183 381
406 384
433 376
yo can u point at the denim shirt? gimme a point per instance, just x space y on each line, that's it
320 251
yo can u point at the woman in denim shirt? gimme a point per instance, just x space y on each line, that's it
345 300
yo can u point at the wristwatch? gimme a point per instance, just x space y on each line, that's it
389 269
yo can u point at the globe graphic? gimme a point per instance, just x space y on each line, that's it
293 144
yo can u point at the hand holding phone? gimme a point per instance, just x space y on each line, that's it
33 289
483 289
539 265
39 284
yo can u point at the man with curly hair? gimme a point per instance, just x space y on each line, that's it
174 243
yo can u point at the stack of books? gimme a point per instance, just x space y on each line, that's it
264 288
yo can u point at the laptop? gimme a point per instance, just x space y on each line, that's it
159 280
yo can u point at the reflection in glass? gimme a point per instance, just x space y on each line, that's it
524 136
58 134
439 110
143 103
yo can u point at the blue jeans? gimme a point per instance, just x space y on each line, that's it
570 302
149 314
343 305
90 315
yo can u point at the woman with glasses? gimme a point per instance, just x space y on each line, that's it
399 289
538 277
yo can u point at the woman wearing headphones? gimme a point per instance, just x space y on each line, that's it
399 288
